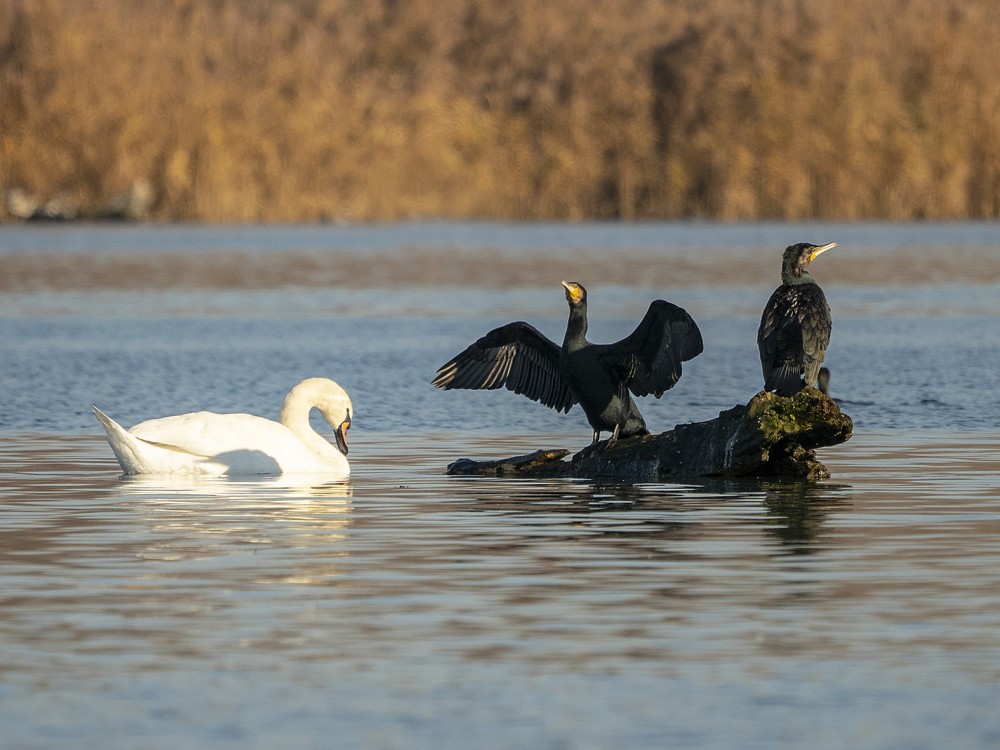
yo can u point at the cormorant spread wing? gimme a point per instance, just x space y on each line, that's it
649 359
516 356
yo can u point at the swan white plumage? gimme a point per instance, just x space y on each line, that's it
239 444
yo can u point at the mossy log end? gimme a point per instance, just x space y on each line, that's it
772 436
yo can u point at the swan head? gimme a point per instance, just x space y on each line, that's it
340 431
329 399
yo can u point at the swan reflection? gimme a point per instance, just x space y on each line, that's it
281 486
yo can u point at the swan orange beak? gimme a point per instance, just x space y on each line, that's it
340 434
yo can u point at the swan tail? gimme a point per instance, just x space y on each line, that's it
110 425
121 442
139 456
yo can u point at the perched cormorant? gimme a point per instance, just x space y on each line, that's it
795 327
596 376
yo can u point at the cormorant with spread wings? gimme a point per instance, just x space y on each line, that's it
599 377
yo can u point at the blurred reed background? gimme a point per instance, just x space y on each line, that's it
356 110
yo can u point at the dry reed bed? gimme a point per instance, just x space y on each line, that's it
287 110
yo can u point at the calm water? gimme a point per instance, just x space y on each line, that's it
407 609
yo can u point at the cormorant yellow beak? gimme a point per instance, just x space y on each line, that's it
574 292
820 250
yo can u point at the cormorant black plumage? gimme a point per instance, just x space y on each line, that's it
795 327
599 377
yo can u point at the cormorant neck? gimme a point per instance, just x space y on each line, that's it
576 328
791 278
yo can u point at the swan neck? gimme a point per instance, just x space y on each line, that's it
295 416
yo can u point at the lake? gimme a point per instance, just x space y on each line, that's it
404 608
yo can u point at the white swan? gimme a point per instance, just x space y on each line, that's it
231 444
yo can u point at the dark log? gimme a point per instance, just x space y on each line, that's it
772 436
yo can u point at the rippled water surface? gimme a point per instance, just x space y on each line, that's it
403 608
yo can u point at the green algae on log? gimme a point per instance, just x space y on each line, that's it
772 436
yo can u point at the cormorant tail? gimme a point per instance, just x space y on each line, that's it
785 379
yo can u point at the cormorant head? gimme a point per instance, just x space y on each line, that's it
797 257
575 294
